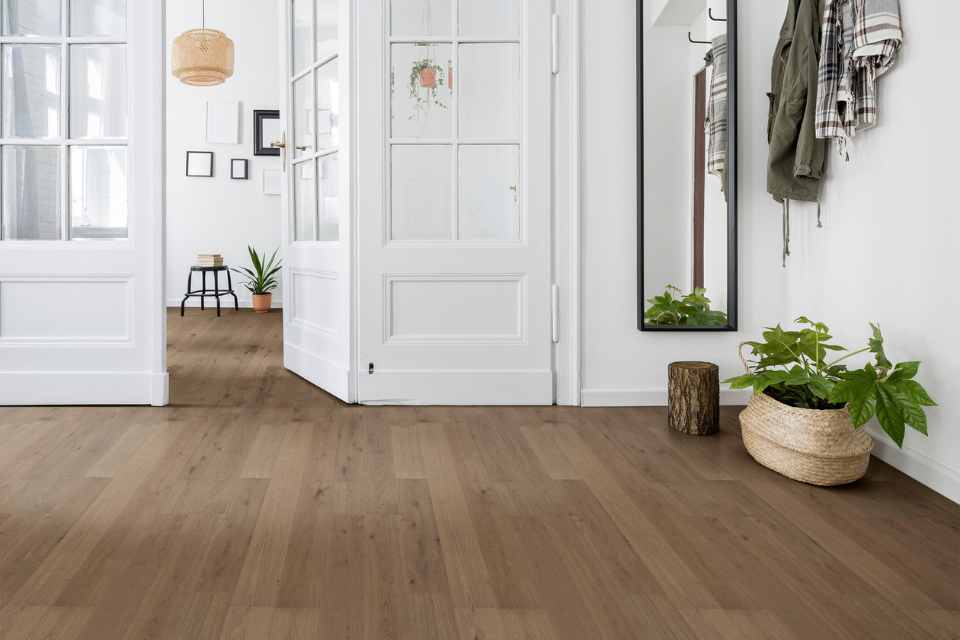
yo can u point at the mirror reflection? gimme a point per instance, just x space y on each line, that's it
686 211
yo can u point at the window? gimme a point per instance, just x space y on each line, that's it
63 119
316 120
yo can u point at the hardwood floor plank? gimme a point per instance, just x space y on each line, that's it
257 506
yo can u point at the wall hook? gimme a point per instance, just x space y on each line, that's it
692 41
710 13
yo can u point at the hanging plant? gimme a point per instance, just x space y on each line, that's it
426 78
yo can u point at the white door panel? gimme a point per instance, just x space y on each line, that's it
454 206
316 229
81 305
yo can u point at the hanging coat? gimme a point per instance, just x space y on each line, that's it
797 157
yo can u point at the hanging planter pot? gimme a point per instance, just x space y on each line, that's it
428 78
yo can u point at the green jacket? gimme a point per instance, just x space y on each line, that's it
797 157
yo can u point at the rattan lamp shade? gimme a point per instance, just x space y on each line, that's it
203 57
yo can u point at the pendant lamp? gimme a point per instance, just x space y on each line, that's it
203 57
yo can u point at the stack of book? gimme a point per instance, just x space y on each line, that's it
209 260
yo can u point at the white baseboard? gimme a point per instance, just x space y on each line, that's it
650 397
922 468
77 388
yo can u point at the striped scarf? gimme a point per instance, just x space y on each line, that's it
717 114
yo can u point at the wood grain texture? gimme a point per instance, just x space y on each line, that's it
256 506
693 392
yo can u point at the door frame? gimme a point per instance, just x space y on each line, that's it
566 194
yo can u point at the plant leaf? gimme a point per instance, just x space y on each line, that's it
915 391
905 371
890 416
876 348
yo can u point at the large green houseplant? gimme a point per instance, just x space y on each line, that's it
809 403
793 367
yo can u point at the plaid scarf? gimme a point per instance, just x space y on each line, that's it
860 42
878 36
717 113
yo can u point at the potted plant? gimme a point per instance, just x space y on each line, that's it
675 309
261 280
426 78
806 416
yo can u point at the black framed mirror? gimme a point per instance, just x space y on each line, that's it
687 165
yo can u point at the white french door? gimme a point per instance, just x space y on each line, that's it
81 193
453 202
317 227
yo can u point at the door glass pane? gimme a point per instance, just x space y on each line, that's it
302 34
422 17
31 193
31 17
420 91
303 116
98 192
305 201
489 192
98 17
328 19
328 105
490 18
421 192
98 91
490 98
31 91
328 198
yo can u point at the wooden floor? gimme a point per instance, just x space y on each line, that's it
258 507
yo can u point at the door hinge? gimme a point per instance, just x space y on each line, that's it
555 313
555 57
370 369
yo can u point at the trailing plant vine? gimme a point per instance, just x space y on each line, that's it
793 367
425 96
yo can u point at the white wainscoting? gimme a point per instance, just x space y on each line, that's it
37 309
454 309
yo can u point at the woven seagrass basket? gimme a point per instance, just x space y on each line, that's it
817 447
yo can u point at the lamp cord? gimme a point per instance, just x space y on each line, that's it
203 14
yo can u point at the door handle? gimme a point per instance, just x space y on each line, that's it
282 145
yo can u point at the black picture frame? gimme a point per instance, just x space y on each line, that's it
191 154
239 169
262 146
733 251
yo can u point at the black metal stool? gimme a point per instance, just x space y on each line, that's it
203 294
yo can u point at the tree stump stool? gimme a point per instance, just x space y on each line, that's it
694 398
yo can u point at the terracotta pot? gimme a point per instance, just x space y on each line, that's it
262 302
428 78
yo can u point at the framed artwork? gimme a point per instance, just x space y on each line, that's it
239 169
199 164
266 129
272 182
223 122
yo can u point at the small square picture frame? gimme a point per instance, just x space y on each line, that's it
199 164
239 169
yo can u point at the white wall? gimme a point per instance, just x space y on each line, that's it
219 214
891 221
891 235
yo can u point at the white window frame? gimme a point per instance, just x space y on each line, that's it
64 142
311 70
